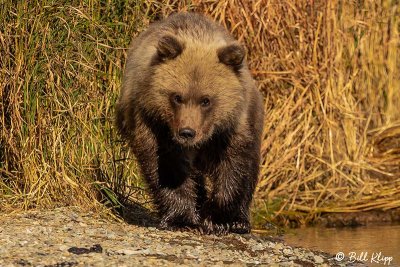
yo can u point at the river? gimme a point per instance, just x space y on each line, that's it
377 245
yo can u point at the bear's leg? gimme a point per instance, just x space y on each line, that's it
234 183
173 187
177 202
176 190
175 193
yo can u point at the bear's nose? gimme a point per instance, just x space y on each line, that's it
187 133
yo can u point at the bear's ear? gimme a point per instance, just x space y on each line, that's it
169 47
231 55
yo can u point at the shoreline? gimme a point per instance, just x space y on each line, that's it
70 237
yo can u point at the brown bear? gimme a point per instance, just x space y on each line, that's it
193 117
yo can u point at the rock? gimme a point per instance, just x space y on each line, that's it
287 251
71 238
318 259
258 246
133 252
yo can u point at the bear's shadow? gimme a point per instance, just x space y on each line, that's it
137 214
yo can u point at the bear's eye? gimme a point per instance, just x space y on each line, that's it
177 99
205 102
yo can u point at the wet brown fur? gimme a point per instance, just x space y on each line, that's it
192 57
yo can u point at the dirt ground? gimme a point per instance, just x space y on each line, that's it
68 237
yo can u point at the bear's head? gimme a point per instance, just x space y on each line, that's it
196 88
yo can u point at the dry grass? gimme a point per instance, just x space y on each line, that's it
329 71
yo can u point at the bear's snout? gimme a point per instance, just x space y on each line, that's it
187 133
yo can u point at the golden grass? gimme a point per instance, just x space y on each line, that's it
329 71
330 74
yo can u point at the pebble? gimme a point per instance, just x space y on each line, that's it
318 259
258 246
39 238
133 252
287 251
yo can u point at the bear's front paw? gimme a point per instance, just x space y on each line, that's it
165 225
209 227
240 227
175 227
177 224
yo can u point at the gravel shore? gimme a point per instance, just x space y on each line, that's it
68 237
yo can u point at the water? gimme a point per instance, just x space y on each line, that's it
373 245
